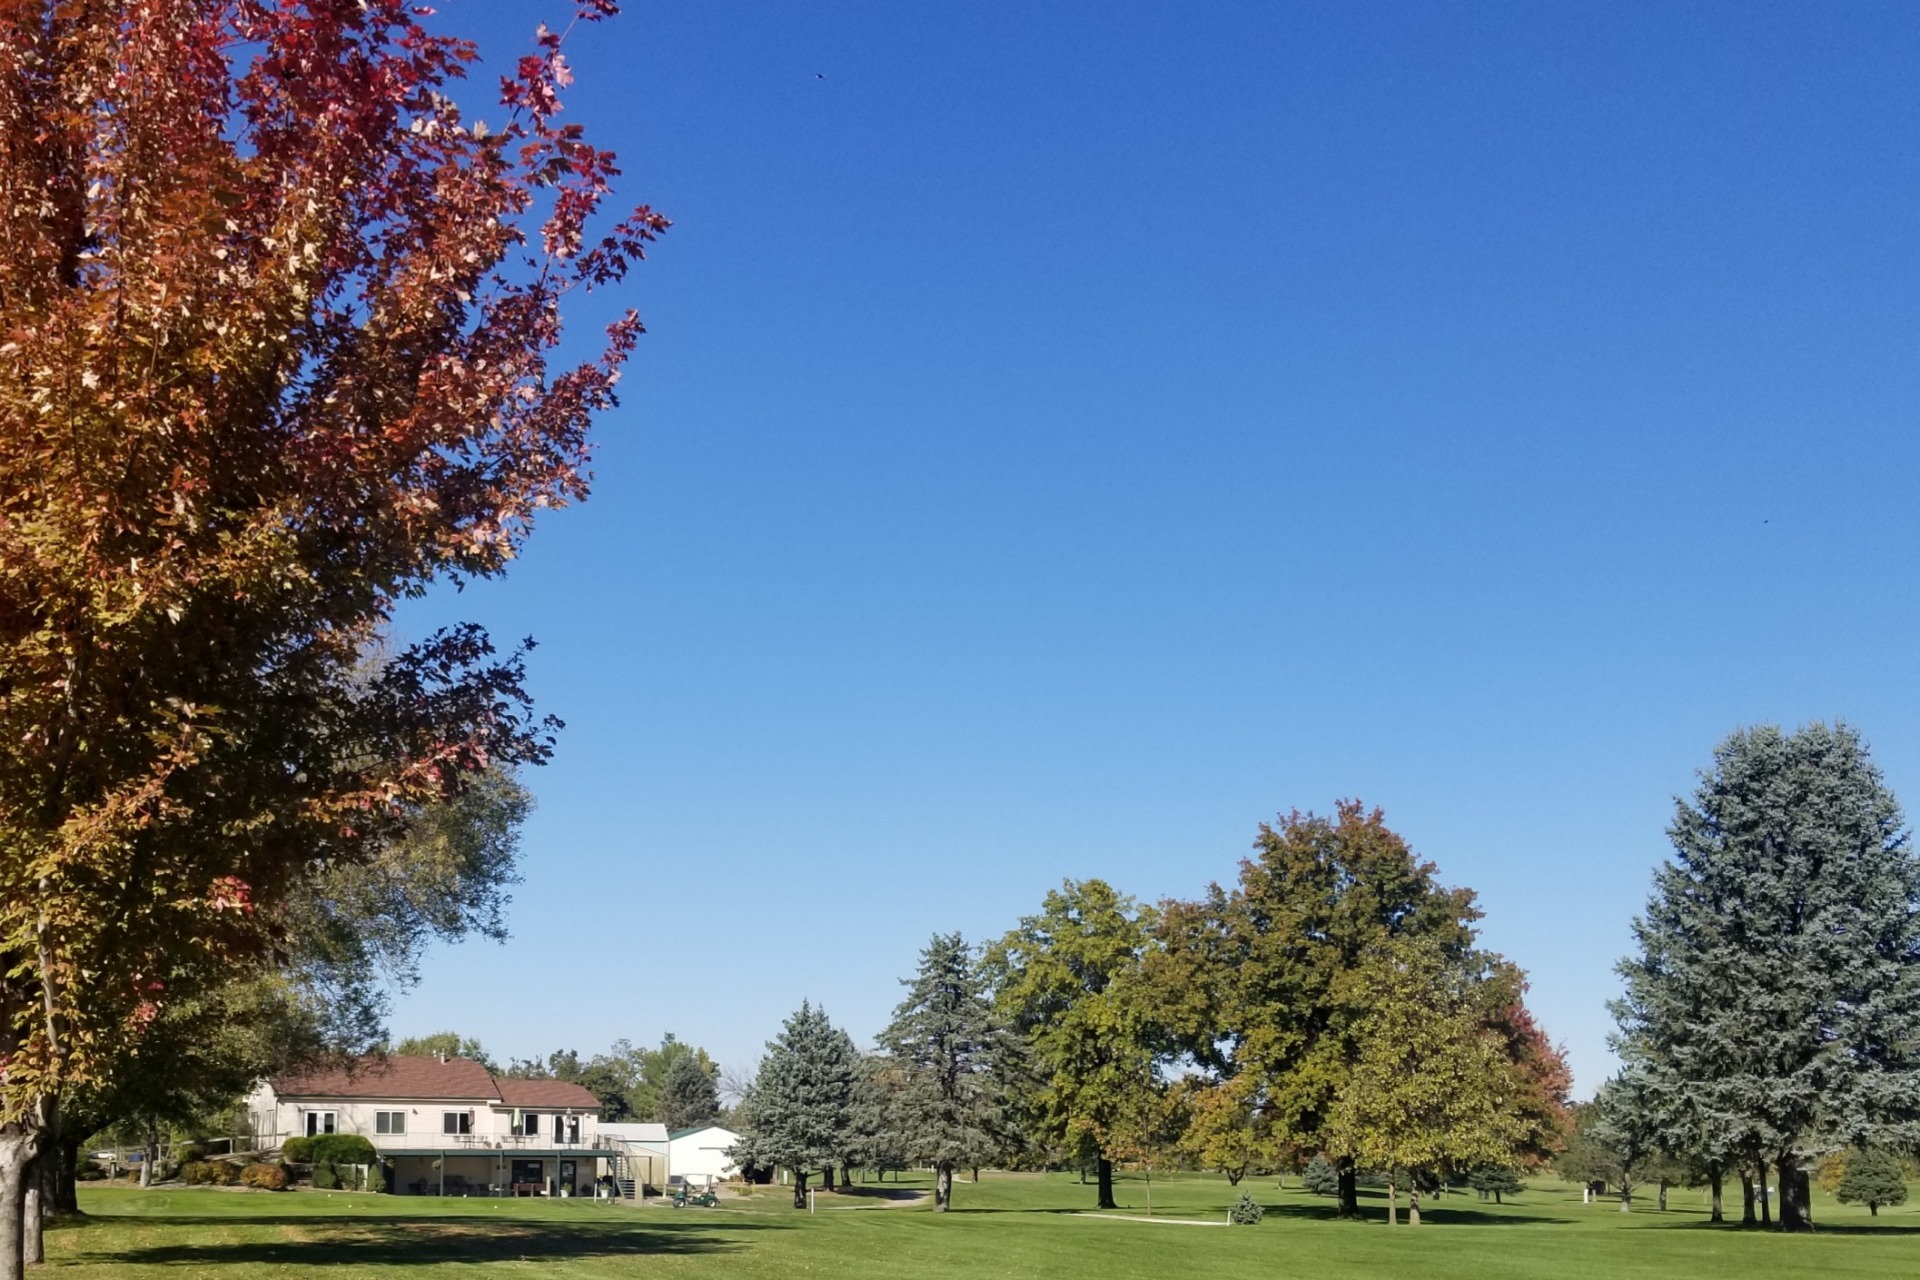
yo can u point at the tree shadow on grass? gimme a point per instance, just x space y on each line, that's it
1819 1228
1373 1209
895 1194
369 1240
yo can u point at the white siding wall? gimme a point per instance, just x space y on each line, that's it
277 1119
701 1156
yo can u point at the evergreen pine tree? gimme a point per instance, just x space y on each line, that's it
1495 1181
1774 1008
800 1111
948 1044
690 1098
1320 1177
1873 1177
877 1142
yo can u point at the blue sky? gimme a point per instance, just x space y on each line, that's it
1069 435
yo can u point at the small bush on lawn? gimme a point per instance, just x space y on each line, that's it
89 1174
264 1177
1246 1211
324 1177
226 1173
297 1150
196 1173
377 1178
1321 1177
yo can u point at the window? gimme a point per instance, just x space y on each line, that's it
319 1122
531 1125
456 1122
389 1122
573 1128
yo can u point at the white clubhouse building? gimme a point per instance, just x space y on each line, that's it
450 1126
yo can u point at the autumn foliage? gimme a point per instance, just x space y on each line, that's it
277 333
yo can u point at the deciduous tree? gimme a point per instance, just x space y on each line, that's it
1253 971
1429 1084
276 320
1068 980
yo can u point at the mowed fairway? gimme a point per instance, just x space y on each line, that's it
1009 1225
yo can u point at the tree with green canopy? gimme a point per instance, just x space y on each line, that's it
448 1044
355 938
1068 980
1248 980
1428 1084
1773 1007
690 1097
950 1046
799 1114
1873 1177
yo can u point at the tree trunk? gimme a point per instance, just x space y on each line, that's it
1626 1195
942 1187
1713 1181
1746 1198
1496 1196
33 1218
826 1178
1766 1197
1663 1195
1793 1196
1873 1208
799 1192
18 1145
1104 1171
1349 1187
1233 1179
1413 1205
66 1197
976 1175
1393 1204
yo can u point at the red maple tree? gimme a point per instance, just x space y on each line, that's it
276 329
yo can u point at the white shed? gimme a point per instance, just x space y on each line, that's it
700 1155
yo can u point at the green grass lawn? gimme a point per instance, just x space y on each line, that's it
1010 1225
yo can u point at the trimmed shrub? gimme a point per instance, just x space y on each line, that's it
264 1177
226 1173
324 1177
377 1178
1246 1211
340 1148
297 1150
1321 1177
90 1174
196 1172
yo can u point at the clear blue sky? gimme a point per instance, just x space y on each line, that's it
1070 434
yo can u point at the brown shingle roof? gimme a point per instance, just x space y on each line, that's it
460 1079
546 1093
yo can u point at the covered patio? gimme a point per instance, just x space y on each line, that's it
500 1171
